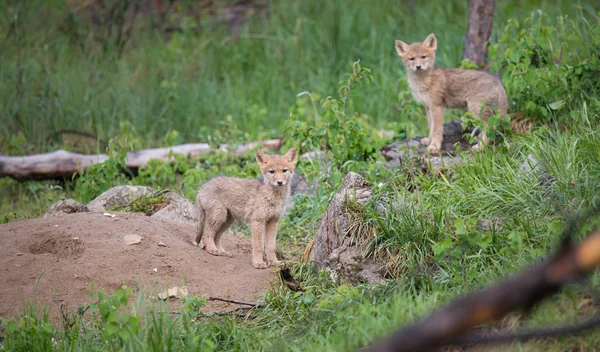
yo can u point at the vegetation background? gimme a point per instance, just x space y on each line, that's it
214 80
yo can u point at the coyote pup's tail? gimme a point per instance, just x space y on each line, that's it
200 226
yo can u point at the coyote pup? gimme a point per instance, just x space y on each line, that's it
222 200
439 88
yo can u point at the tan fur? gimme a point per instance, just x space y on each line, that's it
439 88
222 200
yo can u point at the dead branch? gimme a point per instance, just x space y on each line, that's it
445 327
233 301
62 163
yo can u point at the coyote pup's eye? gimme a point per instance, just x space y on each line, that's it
411 59
424 56
284 171
271 171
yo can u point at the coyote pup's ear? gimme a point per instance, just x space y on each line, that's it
292 156
430 42
401 48
262 158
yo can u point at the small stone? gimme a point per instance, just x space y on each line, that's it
132 239
19 254
174 292
76 238
109 215
55 225
155 270
161 244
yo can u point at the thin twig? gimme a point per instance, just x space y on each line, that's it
232 301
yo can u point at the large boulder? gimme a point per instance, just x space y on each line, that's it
178 209
338 246
411 150
118 196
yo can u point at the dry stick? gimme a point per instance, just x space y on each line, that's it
232 301
445 326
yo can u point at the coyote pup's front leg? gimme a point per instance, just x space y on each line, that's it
271 237
258 246
436 130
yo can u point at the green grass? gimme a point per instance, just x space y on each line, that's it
190 84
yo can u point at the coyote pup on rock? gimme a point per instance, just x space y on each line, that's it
222 200
439 88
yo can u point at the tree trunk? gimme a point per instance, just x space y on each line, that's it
62 163
481 18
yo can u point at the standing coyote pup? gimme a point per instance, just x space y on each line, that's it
439 88
222 200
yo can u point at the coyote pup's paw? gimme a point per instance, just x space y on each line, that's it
425 140
212 251
433 148
259 264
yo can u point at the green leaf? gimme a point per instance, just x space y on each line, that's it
557 105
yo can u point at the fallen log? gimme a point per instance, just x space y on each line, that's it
448 325
61 163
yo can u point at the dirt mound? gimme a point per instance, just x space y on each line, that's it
73 251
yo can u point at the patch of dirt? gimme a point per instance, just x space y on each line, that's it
73 251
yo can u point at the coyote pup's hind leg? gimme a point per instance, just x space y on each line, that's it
200 226
219 235
216 217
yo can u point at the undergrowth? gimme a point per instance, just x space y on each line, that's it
443 233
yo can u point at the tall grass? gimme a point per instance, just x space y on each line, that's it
189 81
448 232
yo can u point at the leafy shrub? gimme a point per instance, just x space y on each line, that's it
546 68
344 140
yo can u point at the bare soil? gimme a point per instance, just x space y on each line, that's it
71 252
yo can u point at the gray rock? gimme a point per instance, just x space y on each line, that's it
179 209
411 150
531 167
337 247
67 206
118 196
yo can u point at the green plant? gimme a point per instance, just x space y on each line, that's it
343 140
99 177
117 326
548 67
459 247
144 204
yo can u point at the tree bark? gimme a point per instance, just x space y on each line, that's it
61 163
481 18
